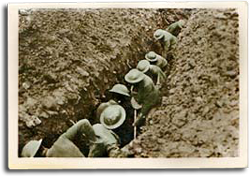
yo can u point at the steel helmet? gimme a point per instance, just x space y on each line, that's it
158 34
143 66
151 56
121 89
31 148
113 116
134 76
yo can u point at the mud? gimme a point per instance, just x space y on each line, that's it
199 114
69 58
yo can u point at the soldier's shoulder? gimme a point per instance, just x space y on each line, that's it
104 105
148 80
155 69
98 126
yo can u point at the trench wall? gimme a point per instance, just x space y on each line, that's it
199 115
68 58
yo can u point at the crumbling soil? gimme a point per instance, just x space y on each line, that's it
69 58
199 114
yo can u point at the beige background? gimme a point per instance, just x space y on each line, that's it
108 163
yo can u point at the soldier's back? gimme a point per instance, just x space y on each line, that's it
161 62
103 134
146 87
63 147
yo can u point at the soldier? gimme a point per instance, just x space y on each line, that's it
108 142
176 27
101 139
147 95
121 95
156 59
120 89
64 145
102 107
166 39
153 71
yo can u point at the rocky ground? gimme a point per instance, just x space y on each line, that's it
69 58
199 115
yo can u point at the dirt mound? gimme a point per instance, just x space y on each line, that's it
68 58
199 115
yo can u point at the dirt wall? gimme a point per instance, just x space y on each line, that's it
199 115
68 58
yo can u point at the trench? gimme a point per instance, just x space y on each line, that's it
126 130
86 107
96 93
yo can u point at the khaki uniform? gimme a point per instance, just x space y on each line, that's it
168 43
156 74
176 27
169 40
127 125
64 146
101 141
105 141
161 62
148 95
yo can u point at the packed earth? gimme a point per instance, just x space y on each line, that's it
70 58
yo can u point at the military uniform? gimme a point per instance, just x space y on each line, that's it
122 95
102 107
156 59
117 89
101 139
175 28
147 95
64 146
167 37
106 141
167 41
155 72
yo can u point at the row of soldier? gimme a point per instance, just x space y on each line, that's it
114 118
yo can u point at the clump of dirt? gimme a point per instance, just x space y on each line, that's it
199 115
68 58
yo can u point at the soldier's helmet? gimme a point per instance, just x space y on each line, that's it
113 117
143 66
134 76
121 89
31 148
158 34
151 56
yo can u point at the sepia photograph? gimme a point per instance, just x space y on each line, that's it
128 83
